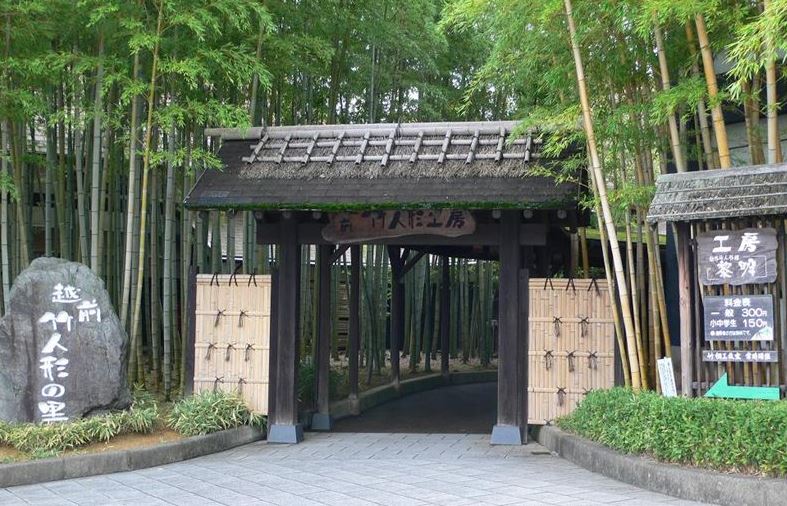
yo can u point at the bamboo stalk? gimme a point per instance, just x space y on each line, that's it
719 127
774 141
605 207
677 149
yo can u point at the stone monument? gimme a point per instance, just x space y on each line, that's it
63 351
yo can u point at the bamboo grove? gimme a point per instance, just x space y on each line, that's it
103 104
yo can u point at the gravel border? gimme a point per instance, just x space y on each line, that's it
79 466
677 481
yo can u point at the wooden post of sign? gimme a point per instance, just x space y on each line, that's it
509 429
322 418
397 310
445 315
284 427
354 324
684 301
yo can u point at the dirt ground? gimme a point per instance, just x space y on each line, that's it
10 454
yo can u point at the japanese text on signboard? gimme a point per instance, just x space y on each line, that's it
738 318
737 257
53 362
354 227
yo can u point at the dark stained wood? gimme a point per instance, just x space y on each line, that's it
373 225
188 355
445 313
337 254
510 396
408 265
324 254
355 317
486 234
684 301
397 310
286 398
273 359
523 339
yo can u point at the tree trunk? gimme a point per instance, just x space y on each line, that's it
95 201
774 141
601 190
677 149
719 127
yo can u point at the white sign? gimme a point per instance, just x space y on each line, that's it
667 377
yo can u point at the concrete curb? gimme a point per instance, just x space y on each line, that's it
79 466
677 481
386 393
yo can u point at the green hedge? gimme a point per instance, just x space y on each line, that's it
211 412
728 435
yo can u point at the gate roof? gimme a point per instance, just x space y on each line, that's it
345 167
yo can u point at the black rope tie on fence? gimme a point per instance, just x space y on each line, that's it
594 284
252 278
584 326
211 346
593 360
241 382
214 279
548 359
561 396
571 284
548 281
234 276
247 353
571 364
586 391
548 421
219 314
219 379
240 317
556 322
227 352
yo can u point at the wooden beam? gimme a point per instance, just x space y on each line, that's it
445 314
509 428
338 252
409 264
355 318
486 234
684 303
285 427
188 355
397 310
321 420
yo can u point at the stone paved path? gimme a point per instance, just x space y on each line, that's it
350 469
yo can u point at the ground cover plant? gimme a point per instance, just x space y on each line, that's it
196 415
726 435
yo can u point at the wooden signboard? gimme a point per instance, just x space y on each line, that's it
737 257
667 377
345 228
759 356
738 317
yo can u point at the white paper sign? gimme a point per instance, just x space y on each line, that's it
667 377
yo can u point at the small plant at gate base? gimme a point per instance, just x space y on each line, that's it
211 412
728 435
42 441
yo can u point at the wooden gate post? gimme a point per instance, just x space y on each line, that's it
397 310
284 427
510 428
445 314
684 301
354 324
322 418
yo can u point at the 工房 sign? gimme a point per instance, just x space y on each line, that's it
737 257
356 227
738 318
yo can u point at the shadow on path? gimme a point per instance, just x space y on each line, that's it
460 409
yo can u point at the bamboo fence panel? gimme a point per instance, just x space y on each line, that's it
232 337
572 345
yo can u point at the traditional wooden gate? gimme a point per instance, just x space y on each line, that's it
232 336
572 345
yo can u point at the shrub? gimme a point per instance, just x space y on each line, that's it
730 435
307 375
41 440
211 412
